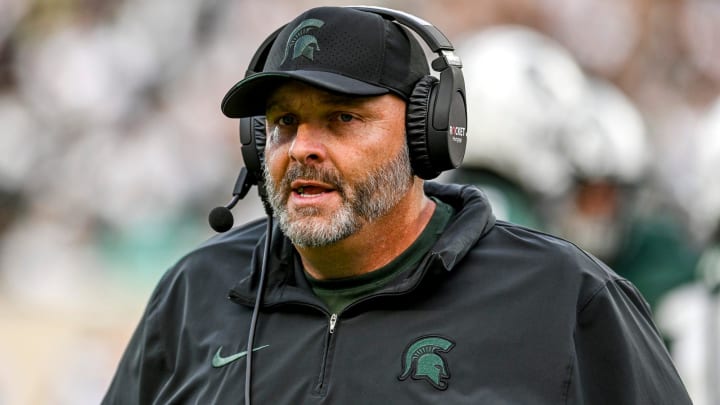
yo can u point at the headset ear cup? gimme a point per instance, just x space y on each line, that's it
260 135
416 127
252 140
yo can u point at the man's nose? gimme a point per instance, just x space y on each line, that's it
307 146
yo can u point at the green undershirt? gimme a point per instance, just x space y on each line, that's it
340 293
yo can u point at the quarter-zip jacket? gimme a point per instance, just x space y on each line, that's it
494 314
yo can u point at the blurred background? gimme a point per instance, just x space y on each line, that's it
595 120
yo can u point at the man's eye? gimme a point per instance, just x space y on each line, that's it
287 120
345 117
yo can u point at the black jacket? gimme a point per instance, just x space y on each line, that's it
495 314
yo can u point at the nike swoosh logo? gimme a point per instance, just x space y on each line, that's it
220 361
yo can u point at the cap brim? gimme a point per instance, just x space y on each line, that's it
248 97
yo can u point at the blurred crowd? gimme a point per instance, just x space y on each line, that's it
595 120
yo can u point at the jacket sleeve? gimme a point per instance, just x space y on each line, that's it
621 358
143 368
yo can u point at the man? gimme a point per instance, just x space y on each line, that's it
381 288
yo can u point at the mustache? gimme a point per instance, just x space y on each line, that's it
324 175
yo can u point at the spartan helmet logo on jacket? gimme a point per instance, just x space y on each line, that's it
421 360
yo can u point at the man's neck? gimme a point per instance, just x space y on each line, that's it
376 244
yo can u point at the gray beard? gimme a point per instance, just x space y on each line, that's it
371 198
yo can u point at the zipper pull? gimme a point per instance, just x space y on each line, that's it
333 321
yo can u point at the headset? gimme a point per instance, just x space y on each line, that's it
436 119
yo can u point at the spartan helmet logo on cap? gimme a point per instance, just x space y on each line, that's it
422 361
301 42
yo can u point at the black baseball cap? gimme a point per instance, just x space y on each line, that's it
339 49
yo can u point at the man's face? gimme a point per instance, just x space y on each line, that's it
333 163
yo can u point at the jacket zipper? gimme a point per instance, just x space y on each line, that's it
321 387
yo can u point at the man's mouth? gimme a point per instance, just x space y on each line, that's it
309 189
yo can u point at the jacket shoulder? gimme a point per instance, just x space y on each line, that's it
551 261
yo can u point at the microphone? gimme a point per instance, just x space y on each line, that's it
220 218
